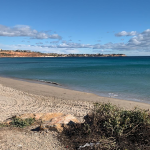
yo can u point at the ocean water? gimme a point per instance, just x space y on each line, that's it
120 77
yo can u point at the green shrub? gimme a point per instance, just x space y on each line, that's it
17 122
112 127
119 121
3 125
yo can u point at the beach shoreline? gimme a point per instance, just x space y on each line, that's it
59 92
22 97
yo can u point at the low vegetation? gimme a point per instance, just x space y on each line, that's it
108 127
3 125
17 122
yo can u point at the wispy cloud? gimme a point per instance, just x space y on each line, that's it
125 33
71 45
139 42
39 48
26 31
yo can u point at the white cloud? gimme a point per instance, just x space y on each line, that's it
74 45
26 31
65 44
140 42
124 33
39 48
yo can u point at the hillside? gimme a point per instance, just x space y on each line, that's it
20 54
27 53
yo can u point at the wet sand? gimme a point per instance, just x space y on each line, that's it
48 90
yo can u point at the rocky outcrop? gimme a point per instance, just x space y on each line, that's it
49 121
57 123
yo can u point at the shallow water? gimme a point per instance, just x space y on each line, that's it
121 77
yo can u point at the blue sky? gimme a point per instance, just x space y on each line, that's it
76 26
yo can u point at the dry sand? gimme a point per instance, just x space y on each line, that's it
18 97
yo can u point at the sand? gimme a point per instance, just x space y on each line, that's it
18 97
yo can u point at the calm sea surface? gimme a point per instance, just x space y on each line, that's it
120 77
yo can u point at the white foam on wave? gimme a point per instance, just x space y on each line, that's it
112 95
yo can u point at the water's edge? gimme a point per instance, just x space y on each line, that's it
122 78
50 83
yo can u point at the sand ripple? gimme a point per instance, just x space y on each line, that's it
14 102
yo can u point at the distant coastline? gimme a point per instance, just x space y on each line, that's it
28 53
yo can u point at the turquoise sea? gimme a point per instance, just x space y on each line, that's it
120 77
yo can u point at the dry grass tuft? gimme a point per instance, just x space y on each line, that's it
108 127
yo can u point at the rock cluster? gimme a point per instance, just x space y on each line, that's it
49 121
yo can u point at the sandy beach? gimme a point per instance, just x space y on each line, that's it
19 97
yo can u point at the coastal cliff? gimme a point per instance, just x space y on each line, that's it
28 53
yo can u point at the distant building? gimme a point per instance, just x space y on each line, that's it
0 49
27 51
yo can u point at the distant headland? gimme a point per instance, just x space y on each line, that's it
28 53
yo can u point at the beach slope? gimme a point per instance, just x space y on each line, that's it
19 97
